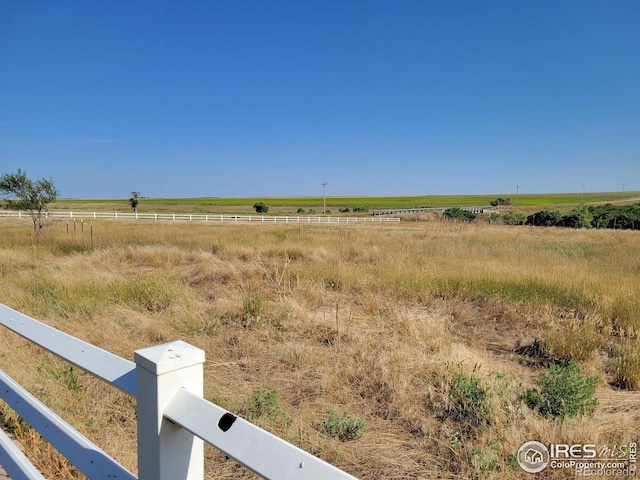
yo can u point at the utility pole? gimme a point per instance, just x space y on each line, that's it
582 201
324 199
517 192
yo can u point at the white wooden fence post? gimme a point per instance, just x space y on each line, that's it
165 450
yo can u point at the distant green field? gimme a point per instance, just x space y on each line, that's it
291 204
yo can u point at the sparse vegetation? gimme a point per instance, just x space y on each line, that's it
468 400
342 427
263 408
564 392
385 323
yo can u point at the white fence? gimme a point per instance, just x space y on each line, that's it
396 211
203 217
173 418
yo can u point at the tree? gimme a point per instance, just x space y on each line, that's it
500 201
25 194
457 213
134 200
260 207
579 217
545 218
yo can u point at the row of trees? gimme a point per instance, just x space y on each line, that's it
599 216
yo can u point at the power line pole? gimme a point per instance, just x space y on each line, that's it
582 201
324 199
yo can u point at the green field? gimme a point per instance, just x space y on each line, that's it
291 204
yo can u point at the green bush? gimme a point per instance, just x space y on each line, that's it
514 218
457 213
342 427
300 210
545 218
468 400
260 207
564 392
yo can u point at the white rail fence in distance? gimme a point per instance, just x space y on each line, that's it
192 217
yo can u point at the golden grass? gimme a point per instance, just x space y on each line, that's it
372 320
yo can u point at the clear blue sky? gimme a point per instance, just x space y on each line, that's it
265 98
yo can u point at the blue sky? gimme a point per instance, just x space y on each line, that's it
271 98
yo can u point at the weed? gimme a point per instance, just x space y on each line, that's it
153 294
343 427
264 407
253 309
65 374
564 392
627 373
577 339
468 399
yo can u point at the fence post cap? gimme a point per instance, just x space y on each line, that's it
169 357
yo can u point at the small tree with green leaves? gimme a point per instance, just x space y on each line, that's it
260 207
25 194
134 200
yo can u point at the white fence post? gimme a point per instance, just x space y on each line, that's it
165 450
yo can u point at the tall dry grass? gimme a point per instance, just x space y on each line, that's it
376 321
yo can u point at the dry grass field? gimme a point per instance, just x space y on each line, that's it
380 322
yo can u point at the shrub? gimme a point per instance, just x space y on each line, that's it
300 210
342 427
545 218
457 213
264 406
514 218
260 207
344 210
360 209
468 400
580 217
564 392
500 201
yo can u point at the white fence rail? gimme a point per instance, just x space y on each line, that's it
397 211
173 417
192 217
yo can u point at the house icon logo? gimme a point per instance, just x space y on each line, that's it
533 457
